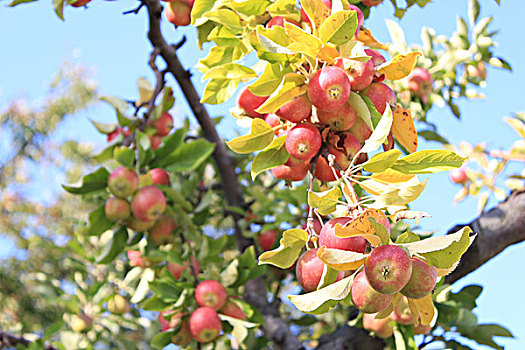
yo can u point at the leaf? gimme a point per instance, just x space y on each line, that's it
339 27
148 275
18 2
200 7
97 222
290 246
163 339
260 136
316 11
229 71
411 215
218 91
397 35
380 133
274 40
189 156
291 86
381 231
270 79
399 194
356 102
428 161
273 155
400 66
403 129
392 176
249 8
442 251
227 18
341 260
58 5
145 92
104 128
328 277
95 181
124 156
114 247
360 225
239 331
422 310
407 237
375 116
117 103
430 135
324 299
302 42
382 161
366 37
326 201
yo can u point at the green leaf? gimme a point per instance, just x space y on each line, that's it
407 237
165 291
324 299
473 11
250 7
117 103
97 222
177 197
18 2
380 134
219 55
124 156
273 155
428 161
260 136
358 103
326 201
53 329
375 116
163 339
104 128
339 27
227 18
291 87
95 181
291 244
229 71
59 8
284 8
270 79
114 247
382 161
218 91
200 7
169 144
189 155
430 135
381 231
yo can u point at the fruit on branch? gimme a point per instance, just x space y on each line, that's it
154 141
376 58
210 293
231 309
360 73
140 225
381 327
366 298
360 17
148 204
81 323
360 130
304 16
183 335
80 3
123 182
401 313
163 124
267 239
339 119
380 94
136 259
371 3
162 231
178 12
293 170
388 268
205 324
458 175
160 176
422 281
344 146
309 270
273 120
177 269
119 130
118 305
296 110
329 88
420 82
249 102
303 141
279 21
329 239
323 171
117 209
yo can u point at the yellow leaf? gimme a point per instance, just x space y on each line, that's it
360 225
404 130
392 176
422 310
400 66
328 53
326 201
444 272
288 251
365 36
341 260
260 136
291 87
317 12
302 41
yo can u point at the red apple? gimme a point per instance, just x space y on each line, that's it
388 268
318 225
123 182
267 239
117 209
296 110
329 88
376 58
114 134
420 82
360 17
303 141
163 124
422 281
80 3
249 102
178 13
205 324
231 309
160 176
148 204
366 298
177 269
211 293
344 146
136 259
458 175
273 120
360 74
381 327
323 171
329 239
380 94
140 225
155 141
340 119
162 231
309 270
293 170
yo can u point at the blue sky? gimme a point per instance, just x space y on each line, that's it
35 41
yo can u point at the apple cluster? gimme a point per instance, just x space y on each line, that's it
178 12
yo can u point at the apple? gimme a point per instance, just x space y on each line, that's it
148 204
329 88
401 313
211 293
136 259
162 231
366 298
380 94
340 119
267 239
123 182
118 305
420 82
155 141
458 175
296 110
114 134
163 124
205 324
177 269
318 225
360 17
329 239
303 141
231 309
360 130
117 209
389 143
360 74
249 102
344 146
293 170
140 225
323 171
178 13
388 268
309 270
183 335
381 327
422 281
80 3
160 176
273 120
170 319
376 58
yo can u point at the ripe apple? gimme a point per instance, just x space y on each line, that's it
170 319
381 327
117 209
401 313
422 281
160 176
293 170
388 268
267 239
340 119
210 293
177 269
376 58
318 225
420 82
458 175
309 270
163 124
380 94
123 182
360 130
296 110
118 305
183 335
323 171
148 204
329 88
140 225
136 259
366 298
155 141
231 309
360 17
205 324
303 141
273 120
178 13
162 231
360 74
371 3
80 3
249 102
330 240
